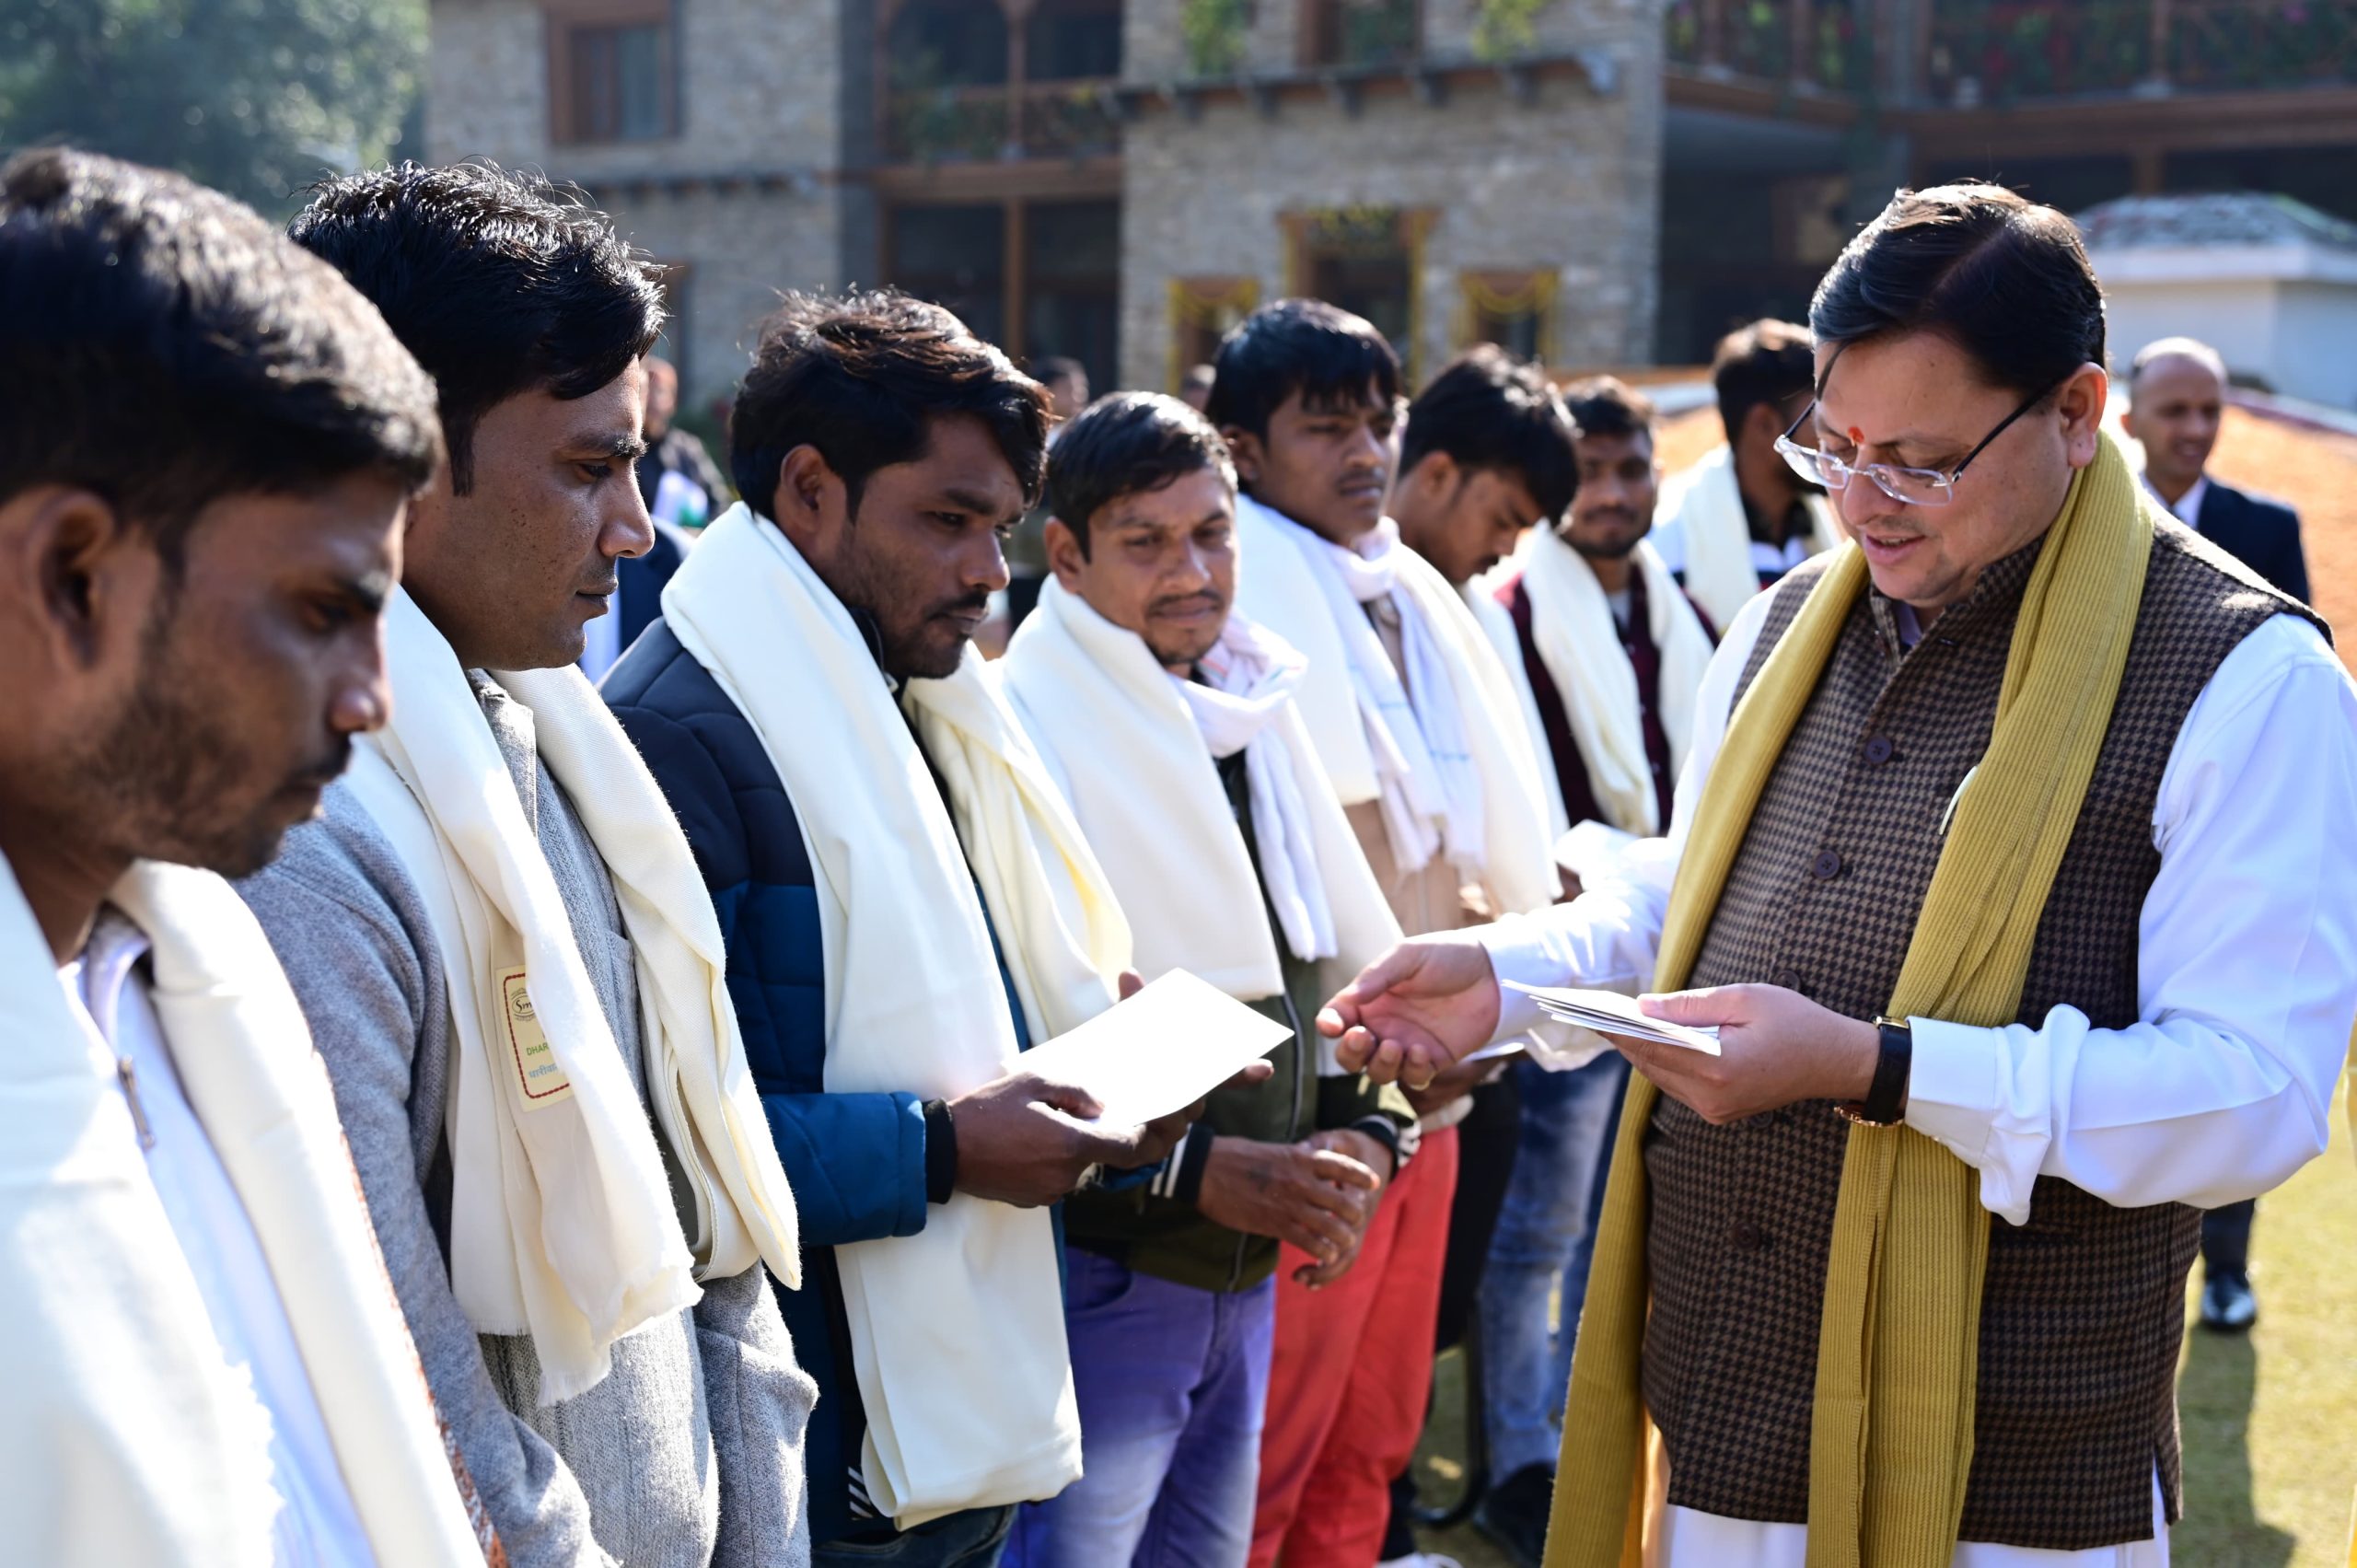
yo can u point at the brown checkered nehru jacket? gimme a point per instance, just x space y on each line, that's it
2083 1306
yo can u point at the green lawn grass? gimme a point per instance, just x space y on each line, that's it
2270 1420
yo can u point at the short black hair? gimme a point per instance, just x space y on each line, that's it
1488 409
1125 444
1767 362
861 378
499 281
1298 345
2005 280
1604 405
164 347
1051 368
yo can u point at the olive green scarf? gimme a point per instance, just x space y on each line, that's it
1891 1441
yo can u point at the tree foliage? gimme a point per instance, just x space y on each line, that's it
258 98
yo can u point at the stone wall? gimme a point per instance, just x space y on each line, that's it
1569 181
742 249
759 94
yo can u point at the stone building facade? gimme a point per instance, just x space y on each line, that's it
1077 181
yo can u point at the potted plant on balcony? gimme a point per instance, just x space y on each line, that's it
1213 31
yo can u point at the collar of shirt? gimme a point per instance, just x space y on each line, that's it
100 971
2187 508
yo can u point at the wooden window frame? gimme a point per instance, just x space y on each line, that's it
1203 304
1410 229
1533 291
562 20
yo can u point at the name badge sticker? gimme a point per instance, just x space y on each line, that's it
537 1068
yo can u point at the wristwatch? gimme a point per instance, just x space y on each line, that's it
1885 1101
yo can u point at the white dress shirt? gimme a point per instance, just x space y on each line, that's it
2246 981
2185 508
317 1525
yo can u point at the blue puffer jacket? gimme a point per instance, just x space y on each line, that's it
856 1161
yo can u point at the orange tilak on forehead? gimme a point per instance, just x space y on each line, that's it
1857 437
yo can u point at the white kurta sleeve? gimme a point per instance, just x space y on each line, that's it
2246 971
1606 937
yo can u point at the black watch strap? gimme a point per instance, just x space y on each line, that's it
1885 1101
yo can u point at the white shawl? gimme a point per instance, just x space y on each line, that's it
1571 622
129 1437
1135 744
1481 597
1294 589
562 1225
958 1336
1704 505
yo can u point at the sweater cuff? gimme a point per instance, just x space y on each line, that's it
940 1152
1181 1176
1387 1133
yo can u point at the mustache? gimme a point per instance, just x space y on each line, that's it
325 772
1185 601
975 603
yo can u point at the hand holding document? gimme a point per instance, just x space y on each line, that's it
1609 1013
1162 1049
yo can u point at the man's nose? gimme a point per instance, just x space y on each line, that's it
630 531
362 698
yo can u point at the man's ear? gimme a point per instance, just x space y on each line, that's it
809 493
1064 558
1246 449
92 580
1761 426
1436 470
2081 403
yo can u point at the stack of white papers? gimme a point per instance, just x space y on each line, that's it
1163 1049
1609 1013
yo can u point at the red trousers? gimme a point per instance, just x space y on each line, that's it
1351 1375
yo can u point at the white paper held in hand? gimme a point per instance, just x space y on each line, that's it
1609 1013
1162 1049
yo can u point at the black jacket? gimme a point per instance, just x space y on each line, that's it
2262 535
640 597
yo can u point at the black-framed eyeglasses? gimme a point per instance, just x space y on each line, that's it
1915 487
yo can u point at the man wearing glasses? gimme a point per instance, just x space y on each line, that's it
2013 870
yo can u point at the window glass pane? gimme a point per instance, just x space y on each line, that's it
638 88
593 85
954 256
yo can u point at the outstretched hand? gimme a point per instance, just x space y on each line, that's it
1414 1012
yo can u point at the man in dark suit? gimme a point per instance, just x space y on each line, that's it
2174 393
2177 390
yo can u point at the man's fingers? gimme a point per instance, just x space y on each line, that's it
1332 1164
1257 1073
1354 1049
1070 1098
1131 983
1708 1006
1321 1234
1331 1020
1348 1004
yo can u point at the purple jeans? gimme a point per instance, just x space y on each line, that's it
1172 1381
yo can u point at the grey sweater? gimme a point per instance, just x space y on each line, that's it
688 1453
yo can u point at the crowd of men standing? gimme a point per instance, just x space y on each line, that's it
460 1111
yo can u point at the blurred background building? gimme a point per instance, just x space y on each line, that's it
1600 182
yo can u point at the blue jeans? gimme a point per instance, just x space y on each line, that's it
1546 1233
972 1539
1172 1381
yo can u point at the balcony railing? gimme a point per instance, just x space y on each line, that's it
1975 52
964 124
1826 44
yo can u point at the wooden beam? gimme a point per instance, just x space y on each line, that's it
1015 281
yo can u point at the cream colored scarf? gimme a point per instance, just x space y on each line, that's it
1707 505
1571 623
958 1336
129 1439
1891 1442
1133 751
562 1225
1281 591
